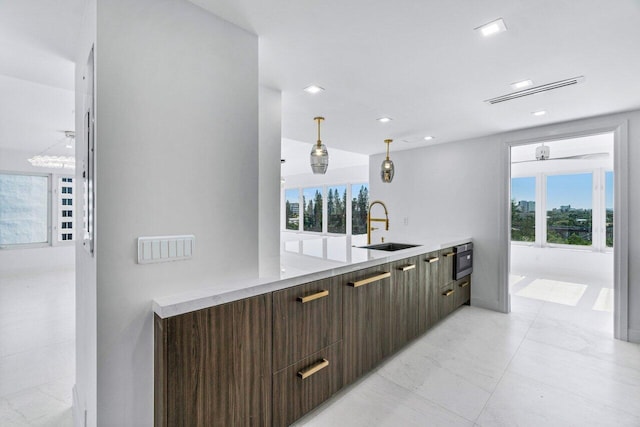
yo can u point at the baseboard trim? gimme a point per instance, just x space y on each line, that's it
78 414
634 335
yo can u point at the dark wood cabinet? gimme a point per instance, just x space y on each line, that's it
405 302
306 319
304 385
463 291
429 285
366 330
213 366
446 266
272 358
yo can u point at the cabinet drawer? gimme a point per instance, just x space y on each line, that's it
447 300
306 318
294 396
446 257
463 290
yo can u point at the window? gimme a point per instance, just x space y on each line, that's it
337 209
359 206
523 209
608 206
67 202
569 209
292 209
24 209
66 190
312 205
67 213
67 179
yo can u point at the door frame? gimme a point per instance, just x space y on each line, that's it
618 126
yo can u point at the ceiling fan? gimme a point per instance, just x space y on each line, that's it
543 152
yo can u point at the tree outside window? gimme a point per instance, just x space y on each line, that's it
312 202
523 209
292 209
337 209
359 206
569 209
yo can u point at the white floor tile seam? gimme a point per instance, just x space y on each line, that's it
419 396
506 369
416 395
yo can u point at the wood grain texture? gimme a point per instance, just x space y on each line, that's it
405 303
293 396
366 330
429 284
159 378
446 267
463 293
302 329
218 365
446 300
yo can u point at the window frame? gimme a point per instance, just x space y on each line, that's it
325 223
598 213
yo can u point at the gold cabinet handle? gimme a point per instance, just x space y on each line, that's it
434 259
464 285
306 373
450 254
448 293
407 267
323 293
370 279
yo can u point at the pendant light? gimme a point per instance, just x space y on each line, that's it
319 154
387 170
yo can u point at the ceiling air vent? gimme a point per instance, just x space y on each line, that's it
536 89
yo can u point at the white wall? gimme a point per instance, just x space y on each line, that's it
270 137
457 188
176 152
85 393
585 266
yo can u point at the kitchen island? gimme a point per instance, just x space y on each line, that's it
267 351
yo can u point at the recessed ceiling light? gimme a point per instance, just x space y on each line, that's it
313 89
69 146
428 138
539 113
384 119
522 84
493 27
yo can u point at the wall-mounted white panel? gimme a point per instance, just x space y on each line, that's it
152 249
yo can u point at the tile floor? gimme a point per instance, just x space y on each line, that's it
37 349
545 364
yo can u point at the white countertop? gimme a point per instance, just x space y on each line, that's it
303 259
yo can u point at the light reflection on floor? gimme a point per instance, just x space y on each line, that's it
586 296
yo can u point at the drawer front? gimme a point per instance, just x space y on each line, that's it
428 277
294 396
306 318
463 290
446 266
447 300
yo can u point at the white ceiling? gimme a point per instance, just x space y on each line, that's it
421 63
417 61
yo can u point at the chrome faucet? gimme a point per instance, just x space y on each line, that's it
370 220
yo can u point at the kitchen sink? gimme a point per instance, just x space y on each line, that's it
389 247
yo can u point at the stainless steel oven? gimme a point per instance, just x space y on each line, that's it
462 261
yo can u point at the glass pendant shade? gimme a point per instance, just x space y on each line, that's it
387 169
319 159
319 156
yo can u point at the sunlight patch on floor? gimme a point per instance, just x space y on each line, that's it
554 291
604 302
514 278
